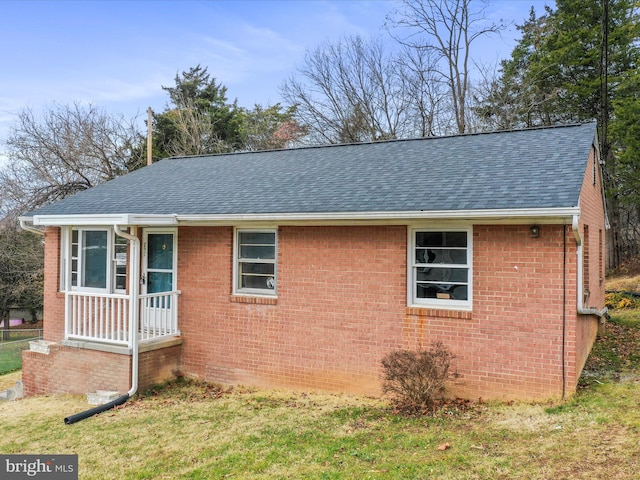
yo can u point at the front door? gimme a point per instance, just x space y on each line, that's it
158 276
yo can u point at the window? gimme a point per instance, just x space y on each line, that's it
98 260
441 268
120 256
255 266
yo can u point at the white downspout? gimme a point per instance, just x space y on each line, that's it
133 306
582 310
29 228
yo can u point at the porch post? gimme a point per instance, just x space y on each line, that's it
134 283
65 239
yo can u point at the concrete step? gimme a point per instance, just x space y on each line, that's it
13 393
101 396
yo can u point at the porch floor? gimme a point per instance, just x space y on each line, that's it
145 345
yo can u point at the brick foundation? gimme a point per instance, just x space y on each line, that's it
80 371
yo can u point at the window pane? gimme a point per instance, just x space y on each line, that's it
257 238
443 275
160 251
94 259
159 282
121 282
252 251
441 255
257 268
120 250
442 291
263 282
441 239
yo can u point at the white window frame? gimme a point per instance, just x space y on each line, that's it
66 261
412 273
237 288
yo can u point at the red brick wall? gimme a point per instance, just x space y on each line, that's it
342 305
81 371
336 303
592 230
74 370
53 311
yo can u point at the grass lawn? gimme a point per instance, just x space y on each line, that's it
198 431
11 355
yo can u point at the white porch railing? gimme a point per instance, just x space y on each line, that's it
106 318
158 315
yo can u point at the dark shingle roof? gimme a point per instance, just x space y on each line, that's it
536 168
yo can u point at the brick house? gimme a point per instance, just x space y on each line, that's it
301 268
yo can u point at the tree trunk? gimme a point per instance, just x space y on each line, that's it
6 334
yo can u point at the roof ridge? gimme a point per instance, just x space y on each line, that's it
387 141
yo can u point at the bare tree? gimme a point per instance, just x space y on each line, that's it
427 106
350 91
194 131
21 270
447 29
67 149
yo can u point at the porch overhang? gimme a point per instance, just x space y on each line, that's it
122 219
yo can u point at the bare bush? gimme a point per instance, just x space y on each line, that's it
415 379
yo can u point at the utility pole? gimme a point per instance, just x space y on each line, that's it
149 142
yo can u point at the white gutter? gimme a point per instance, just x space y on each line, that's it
582 310
29 228
510 215
121 219
133 305
489 215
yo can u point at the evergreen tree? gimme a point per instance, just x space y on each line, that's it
199 119
577 63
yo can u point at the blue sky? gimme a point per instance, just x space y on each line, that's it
118 54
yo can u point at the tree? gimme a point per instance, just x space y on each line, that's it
199 119
21 270
271 127
574 64
625 135
524 94
354 91
447 29
67 149
428 112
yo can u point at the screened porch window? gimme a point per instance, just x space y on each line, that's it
256 261
98 260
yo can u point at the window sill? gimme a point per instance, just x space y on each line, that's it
254 299
424 311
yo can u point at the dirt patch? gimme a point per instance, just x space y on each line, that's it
9 380
615 354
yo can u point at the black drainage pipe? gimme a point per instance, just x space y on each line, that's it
96 410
